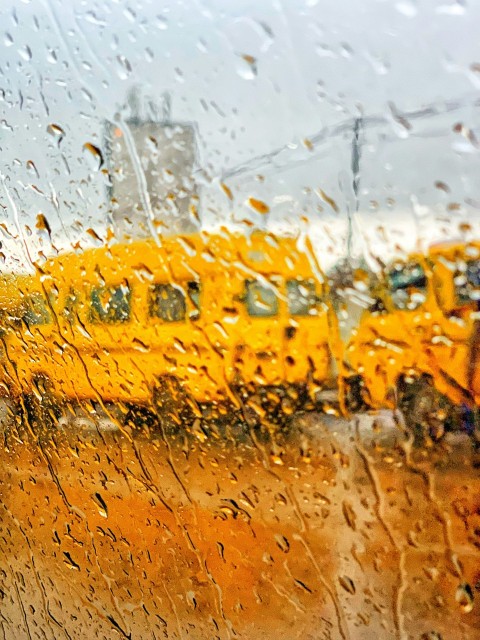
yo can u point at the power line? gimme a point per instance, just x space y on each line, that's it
345 127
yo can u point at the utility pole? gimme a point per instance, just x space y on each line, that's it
356 154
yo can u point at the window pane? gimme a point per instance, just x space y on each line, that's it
111 304
467 282
408 286
71 306
261 300
194 292
167 302
301 296
37 311
409 275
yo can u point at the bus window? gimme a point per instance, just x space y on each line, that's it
193 290
167 302
301 297
110 304
467 282
408 286
261 300
70 307
37 311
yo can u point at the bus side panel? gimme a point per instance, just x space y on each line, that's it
307 354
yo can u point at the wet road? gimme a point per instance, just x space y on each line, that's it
338 530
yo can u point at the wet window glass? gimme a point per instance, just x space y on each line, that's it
110 304
167 302
239 320
261 299
301 297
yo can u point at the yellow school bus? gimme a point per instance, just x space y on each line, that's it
418 346
208 316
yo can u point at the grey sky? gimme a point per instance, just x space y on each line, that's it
315 64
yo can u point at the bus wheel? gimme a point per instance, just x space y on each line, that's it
425 410
41 408
141 419
355 393
41 413
171 405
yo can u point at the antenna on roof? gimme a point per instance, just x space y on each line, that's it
166 107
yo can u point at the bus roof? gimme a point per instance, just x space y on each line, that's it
186 256
452 248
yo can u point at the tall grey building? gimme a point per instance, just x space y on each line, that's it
151 163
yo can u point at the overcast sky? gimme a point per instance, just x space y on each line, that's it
256 78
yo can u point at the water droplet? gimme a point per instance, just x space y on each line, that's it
42 224
442 186
70 562
56 132
258 205
52 56
94 155
32 169
202 45
124 68
247 68
349 515
464 597
130 14
330 201
282 543
8 40
466 132
100 504
179 77
347 584
227 190
161 23
379 64
86 94
94 235
91 17
25 53
191 599
346 50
